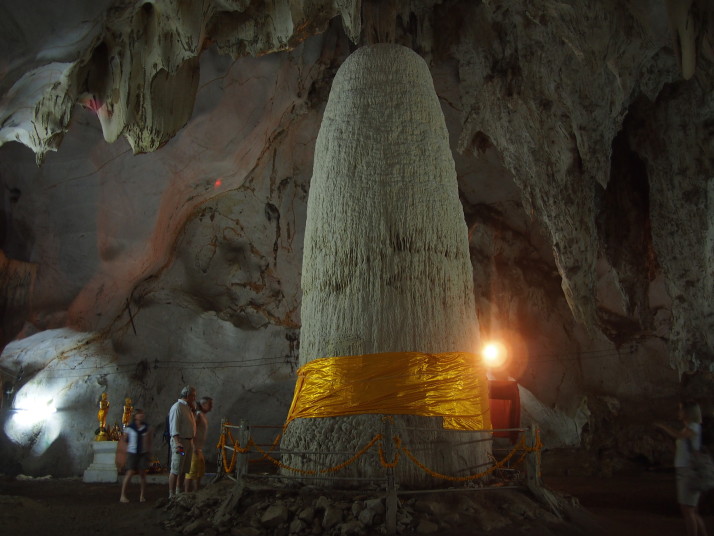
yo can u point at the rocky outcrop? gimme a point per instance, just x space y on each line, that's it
681 187
136 65
256 510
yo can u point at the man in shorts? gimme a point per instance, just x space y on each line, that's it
182 427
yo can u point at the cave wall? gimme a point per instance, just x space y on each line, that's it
584 162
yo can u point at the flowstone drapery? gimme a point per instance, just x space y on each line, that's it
386 263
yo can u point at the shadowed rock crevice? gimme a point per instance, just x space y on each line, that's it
624 230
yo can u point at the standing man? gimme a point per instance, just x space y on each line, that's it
198 462
182 427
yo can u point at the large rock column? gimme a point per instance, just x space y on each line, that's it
386 260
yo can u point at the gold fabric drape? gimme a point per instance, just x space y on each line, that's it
449 385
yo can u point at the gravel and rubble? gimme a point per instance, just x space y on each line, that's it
238 509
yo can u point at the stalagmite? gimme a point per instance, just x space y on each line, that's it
386 265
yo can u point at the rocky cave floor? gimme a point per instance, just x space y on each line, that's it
632 504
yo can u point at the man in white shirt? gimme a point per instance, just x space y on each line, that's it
198 462
182 428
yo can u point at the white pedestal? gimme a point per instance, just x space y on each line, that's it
103 468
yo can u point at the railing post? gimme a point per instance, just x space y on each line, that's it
243 438
533 473
532 458
389 454
220 470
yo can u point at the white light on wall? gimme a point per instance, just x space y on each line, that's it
34 422
33 411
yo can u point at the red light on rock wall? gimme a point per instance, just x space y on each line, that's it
94 105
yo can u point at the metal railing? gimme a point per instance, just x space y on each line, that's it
391 452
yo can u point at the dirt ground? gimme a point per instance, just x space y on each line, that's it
631 505
636 505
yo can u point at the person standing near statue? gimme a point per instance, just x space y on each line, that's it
137 441
198 461
182 427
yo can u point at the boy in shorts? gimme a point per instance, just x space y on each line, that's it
137 437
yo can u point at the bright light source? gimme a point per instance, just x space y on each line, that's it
494 354
34 411
34 422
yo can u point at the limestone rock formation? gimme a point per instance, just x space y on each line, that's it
386 264
581 135
136 64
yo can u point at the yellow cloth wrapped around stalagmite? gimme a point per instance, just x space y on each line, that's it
449 385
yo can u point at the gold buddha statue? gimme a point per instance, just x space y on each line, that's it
101 434
126 416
